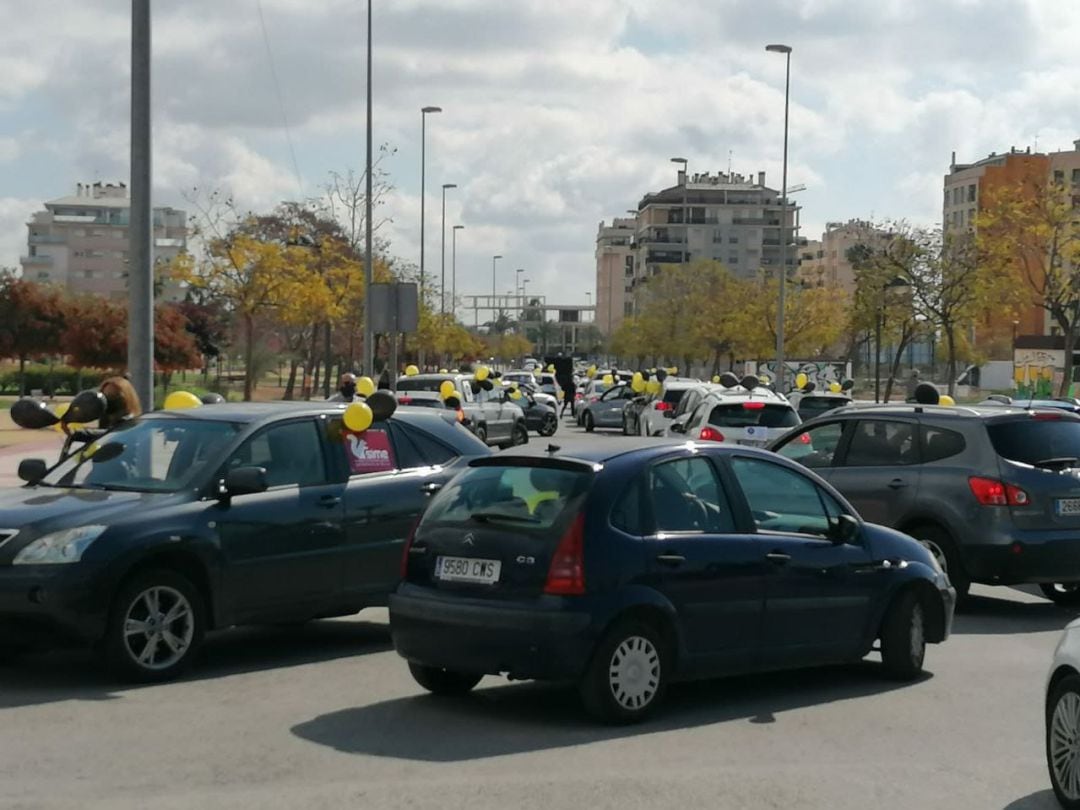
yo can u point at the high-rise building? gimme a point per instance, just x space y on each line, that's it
614 272
81 242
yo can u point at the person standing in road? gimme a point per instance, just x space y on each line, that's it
346 389
568 396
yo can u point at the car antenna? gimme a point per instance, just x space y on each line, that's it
553 449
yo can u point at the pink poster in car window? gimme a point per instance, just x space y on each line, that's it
369 451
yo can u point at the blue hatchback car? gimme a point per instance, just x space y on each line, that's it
627 567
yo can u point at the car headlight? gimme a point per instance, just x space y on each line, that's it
65 546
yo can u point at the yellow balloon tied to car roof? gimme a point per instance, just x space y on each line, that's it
60 410
946 400
358 417
446 388
411 370
835 387
608 379
801 380
653 387
365 386
482 373
591 372
181 400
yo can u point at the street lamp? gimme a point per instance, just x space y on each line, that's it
453 269
517 280
442 276
493 293
786 50
588 297
369 247
424 112
685 205
894 284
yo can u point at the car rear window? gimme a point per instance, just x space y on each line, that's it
674 395
1032 440
414 384
753 412
517 495
422 402
818 405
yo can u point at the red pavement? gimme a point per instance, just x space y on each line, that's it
48 448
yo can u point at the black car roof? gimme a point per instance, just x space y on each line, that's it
260 412
979 411
602 452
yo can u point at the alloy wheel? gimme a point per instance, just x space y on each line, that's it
1065 744
158 627
938 552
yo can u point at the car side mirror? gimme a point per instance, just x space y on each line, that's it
668 414
32 470
244 481
678 427
844 530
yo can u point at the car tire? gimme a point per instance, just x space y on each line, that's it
1066 594
939 543
156 627
628 674
443 682
903 637
590 424
518 436
481 433
1062 732
549 426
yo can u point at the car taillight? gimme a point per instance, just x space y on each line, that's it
408 547
709 434
989 492
662 406
566 574
1045 416
805 438
753 405
404 400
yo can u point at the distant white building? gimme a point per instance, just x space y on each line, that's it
81 242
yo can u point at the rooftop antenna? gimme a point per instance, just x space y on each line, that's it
729 162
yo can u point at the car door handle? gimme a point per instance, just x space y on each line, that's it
329 501
778 557
671 559
897 483
431 487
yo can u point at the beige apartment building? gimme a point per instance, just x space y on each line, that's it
824 262
614 272
81 242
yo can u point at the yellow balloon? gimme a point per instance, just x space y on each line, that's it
515 394
835 387
411 370
60 410
608 379
443 371
482 373
946 400
358 417
716 378
446 388
653 387
637 383
551 369
591 372
801 380
365 386
180 400
673 370
453 393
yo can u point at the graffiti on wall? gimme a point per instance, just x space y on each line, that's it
820 372
1038 372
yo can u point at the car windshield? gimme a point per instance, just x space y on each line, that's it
533 496
1030 441
423 383
149 455
753 413
812 406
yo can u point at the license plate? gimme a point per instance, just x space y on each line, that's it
752 442
467 569
1068 506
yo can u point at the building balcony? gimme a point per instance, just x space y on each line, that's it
46 239
37 260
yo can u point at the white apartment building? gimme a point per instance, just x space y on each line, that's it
614 272
81 242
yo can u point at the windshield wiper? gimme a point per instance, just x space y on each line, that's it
484 517
1062 462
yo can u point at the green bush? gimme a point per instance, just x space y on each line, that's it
57 380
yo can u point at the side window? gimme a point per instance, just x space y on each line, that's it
697 417
291 453
417 449
877 443
686 497
816 447
612 393
626 514
780 499
938 443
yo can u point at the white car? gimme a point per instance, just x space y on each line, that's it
739 416
653 419
1063 718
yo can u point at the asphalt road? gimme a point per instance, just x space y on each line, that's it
327 716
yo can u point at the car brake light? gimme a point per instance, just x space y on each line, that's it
754 405
408 547
1045 416
989 492
805 438
404 400
662 406
566 574
709 434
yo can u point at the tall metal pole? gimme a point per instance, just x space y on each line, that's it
140 354
369 275
453 270
877 352
493 293
442 272
784 49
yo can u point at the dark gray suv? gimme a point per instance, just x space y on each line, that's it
992 491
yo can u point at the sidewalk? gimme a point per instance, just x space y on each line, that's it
48 448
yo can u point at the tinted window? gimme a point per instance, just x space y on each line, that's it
816 447
686 496
877 443
527 496
417 449
423 384
626 514
939 443
753 413
673 396
1032 440
809 406
291 453
780 499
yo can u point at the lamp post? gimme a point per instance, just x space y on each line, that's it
588 297
453 269
517 280
442 271
685 252
786 50
889 285
424 112
369 270
493 293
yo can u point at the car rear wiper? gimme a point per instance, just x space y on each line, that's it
484 517
1062 462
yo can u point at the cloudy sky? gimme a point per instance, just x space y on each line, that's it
558 113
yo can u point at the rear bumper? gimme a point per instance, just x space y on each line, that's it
1026 556
542 642
51 605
